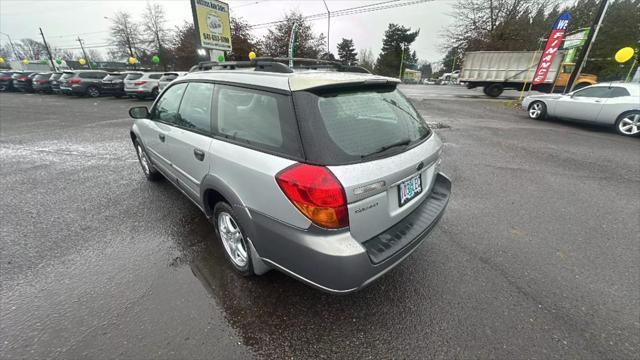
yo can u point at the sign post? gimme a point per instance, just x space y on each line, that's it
211 19
551 49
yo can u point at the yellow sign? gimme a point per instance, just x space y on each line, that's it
211 18
625 54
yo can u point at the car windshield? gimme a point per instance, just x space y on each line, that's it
354 125
112 77
133 76
169 77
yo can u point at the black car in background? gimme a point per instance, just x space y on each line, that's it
54 82
41 83
6 81
113 84
82 82
23 81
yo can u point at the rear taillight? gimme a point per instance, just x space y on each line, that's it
316 192
74 81
139 83
21 78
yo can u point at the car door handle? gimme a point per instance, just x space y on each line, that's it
161 137
199 154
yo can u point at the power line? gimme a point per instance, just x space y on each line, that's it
350 11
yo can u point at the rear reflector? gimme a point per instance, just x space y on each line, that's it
316 192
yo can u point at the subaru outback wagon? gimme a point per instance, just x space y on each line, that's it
330 177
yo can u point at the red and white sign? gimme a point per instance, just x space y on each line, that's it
551 50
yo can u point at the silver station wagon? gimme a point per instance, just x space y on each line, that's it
327 174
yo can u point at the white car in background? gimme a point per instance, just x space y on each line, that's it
169 77
142 84
611 104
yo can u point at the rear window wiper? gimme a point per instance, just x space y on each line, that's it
384 148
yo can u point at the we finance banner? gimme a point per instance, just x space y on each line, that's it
551 50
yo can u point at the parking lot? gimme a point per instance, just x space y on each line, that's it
537 255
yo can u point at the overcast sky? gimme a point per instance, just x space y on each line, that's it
63 21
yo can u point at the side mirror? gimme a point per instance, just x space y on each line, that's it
139 112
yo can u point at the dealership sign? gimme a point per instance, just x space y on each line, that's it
551 50
575 40
211 18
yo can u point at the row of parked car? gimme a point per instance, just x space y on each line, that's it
91 83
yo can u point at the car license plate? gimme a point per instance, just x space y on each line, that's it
409 189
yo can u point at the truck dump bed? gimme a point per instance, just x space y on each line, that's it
505 66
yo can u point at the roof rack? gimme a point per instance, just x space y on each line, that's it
269 64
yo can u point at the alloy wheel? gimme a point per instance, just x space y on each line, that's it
630 125
144 162
93 92
232 239
535 110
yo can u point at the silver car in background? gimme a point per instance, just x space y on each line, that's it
169 77
611 104
142 84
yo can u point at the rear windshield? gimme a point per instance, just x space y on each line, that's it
112 77
169 77
5 74
133 76
353 125
42 76
155 76
55 76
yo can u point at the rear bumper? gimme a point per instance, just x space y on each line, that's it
138 92
334 261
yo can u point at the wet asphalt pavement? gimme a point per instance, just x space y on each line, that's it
536 257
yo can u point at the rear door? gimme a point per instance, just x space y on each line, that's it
377 146
190 140
155 131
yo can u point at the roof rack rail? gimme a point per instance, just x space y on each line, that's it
270 64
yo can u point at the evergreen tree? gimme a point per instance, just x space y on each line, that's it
397 39
307 45
347 52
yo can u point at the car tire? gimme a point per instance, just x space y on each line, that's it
628 123
493 90
233 238
148 169
93 92
537 110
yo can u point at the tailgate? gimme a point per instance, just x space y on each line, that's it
373 188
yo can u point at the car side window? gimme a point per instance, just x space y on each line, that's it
195 109
258 118
618 92
593 92
166 108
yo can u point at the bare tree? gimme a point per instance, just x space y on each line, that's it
366 59
495 24
156 34
94 55
125 34
31 49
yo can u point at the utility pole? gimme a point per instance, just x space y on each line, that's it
584 53
491 22
55 68
401 62
84 53
328 27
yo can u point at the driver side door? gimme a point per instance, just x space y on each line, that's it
584 104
